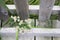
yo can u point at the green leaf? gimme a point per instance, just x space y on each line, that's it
33 16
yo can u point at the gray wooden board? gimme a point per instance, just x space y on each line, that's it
3 14
31 33
22 8
45 9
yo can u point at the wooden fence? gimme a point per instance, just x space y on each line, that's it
32 34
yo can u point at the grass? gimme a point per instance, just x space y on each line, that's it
31 2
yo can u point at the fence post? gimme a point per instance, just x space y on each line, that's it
22 8
45 11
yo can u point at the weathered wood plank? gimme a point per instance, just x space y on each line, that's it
32 32
40 33
3 14
45 11
22 8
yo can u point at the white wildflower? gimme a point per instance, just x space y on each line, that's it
15 18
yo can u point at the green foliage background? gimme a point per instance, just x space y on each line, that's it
31 2
57 2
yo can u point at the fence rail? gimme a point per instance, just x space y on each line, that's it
35 8
39 33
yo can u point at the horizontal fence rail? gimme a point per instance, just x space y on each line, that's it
35 9
32 34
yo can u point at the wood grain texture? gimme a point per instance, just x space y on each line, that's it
22 8
45 10
3 14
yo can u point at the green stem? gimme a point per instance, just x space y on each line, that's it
17 34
